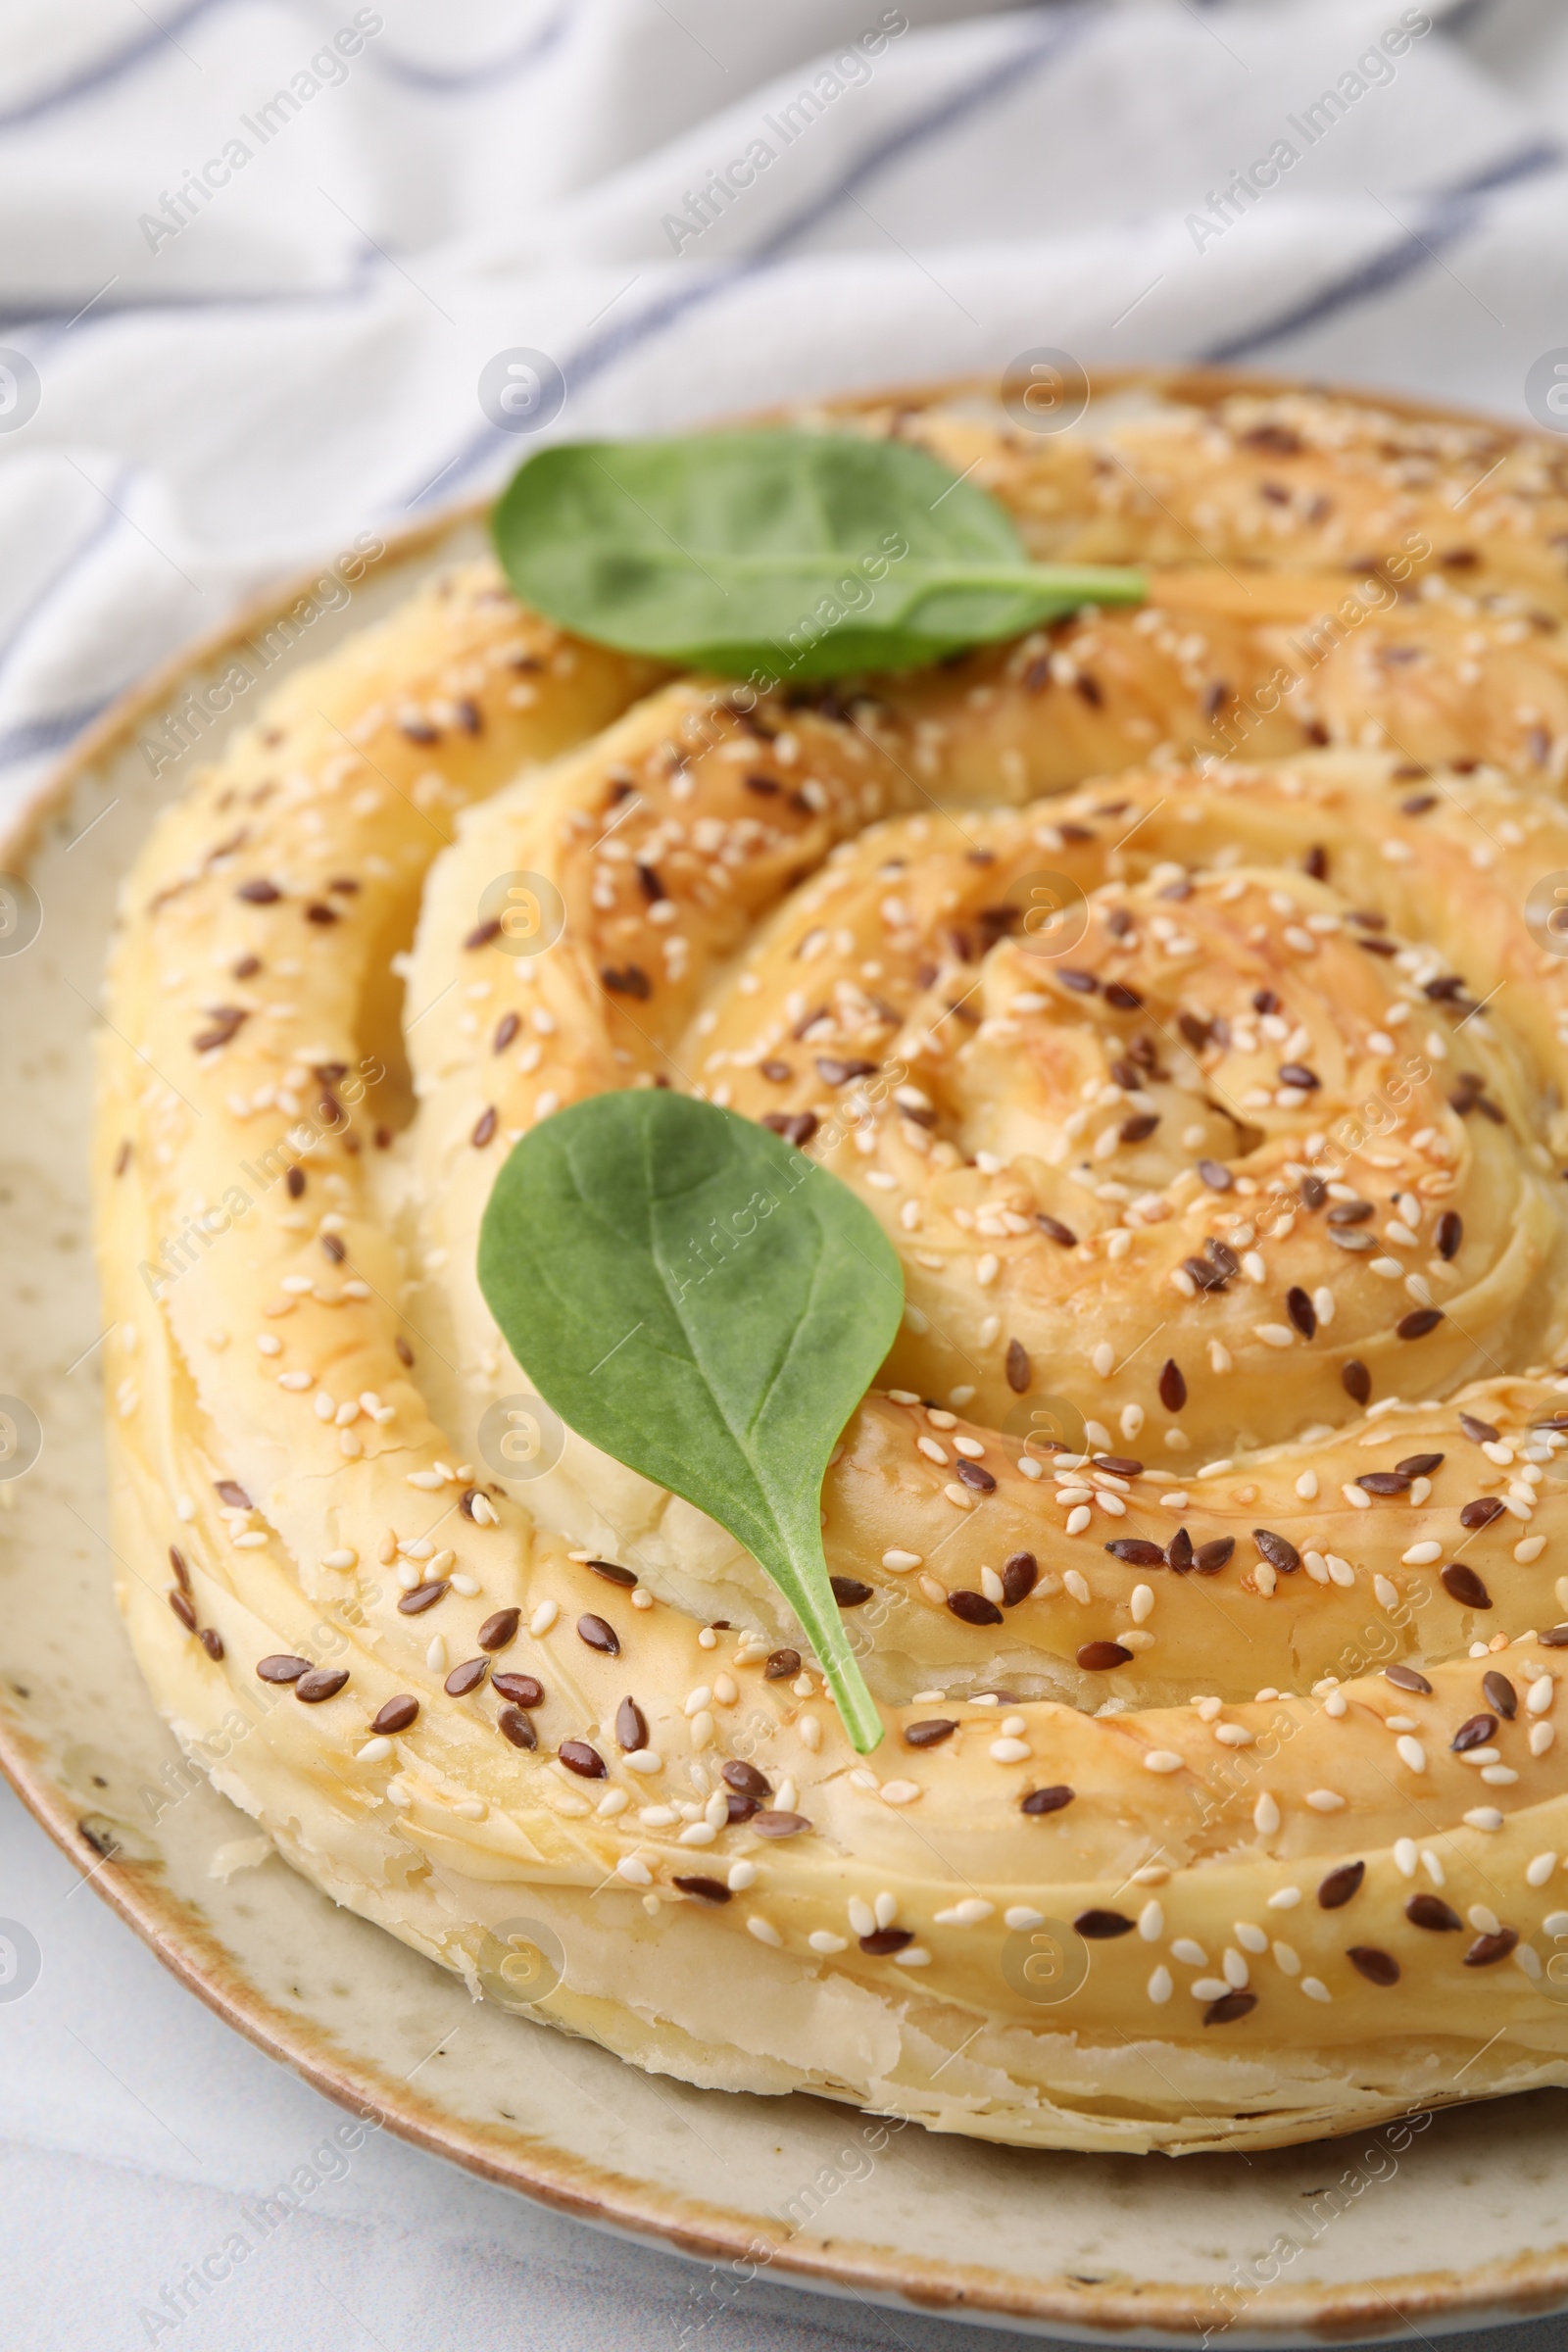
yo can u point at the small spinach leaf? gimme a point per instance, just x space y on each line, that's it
708 1306
778 555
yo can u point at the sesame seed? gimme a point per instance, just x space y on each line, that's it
1464 1586
318 1684
1103 1925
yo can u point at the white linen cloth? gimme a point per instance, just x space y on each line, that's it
295 353
234 379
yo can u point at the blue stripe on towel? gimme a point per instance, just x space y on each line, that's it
1445 219
1054 33
114 67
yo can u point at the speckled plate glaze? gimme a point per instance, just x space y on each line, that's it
1344 2240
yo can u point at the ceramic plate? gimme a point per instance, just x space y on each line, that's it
1348 2238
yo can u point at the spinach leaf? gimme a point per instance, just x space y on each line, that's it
777 555
706 1306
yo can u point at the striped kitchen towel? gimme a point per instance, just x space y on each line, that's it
276 273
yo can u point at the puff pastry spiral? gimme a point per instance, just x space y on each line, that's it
1207 1531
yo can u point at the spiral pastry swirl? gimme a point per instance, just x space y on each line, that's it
1205 1533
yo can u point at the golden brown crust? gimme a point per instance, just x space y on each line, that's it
1129 1176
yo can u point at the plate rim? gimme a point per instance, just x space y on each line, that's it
1531 2285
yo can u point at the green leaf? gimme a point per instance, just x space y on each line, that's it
777 555
706 1306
